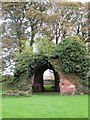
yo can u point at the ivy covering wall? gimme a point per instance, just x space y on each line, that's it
71 53
73 56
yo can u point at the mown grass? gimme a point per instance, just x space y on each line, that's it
45 105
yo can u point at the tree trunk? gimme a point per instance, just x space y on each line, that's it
56 40
32 39
32 36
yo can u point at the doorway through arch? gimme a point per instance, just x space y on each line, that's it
39 83
48 81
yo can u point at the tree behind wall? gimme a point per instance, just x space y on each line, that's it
73 57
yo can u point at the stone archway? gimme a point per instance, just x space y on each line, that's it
38 78
64 83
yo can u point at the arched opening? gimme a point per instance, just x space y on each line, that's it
38 85
48 81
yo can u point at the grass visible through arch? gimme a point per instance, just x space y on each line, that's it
46 105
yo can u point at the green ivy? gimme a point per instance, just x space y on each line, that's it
71 53
73 57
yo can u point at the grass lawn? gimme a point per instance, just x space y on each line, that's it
45 105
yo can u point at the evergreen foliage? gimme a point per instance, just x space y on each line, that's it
73 57
71 52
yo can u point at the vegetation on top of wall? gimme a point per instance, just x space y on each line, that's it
73 57
71 53
45 46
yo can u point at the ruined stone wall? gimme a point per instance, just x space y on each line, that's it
69 83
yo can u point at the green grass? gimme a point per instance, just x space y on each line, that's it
45 105
48 86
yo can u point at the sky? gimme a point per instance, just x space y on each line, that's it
79 0
48 75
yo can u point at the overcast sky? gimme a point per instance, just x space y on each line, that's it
79 0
